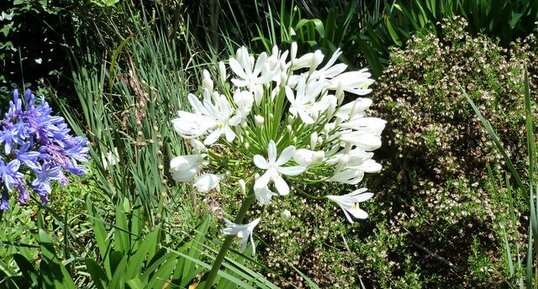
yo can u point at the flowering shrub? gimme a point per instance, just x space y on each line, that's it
437 154
37 149
276 121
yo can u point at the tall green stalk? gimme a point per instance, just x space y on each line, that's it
245 206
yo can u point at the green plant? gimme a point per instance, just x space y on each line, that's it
521 273
124 107
436 153
339 27
398 21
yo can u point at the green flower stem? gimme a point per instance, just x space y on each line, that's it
245 206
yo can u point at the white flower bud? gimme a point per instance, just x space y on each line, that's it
313 140
258 94
340 93
247 145
291 118
316 60
274 51
289 128
222 72
258 120
242 187
207 83
293 51
286 214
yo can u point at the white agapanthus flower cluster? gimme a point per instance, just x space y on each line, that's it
277 119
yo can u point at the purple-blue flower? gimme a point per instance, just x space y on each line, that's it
38 148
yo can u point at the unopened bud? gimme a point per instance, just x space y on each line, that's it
313 140
339 93
222 72
289 128
293 51
258 119
207 83
286 214
242 186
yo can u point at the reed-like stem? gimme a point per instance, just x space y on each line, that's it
245 206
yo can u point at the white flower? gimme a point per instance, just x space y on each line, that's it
330 70
350 157
310 60
371 125
302 101
244 101
250 73
350 203
207 182
355 82
354 109
274 168
305 157
184 168
350 176
263 195
208 116
110 159
243 232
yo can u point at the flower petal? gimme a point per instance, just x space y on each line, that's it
291 171
207 182
285 156
263 180
260 162
281 185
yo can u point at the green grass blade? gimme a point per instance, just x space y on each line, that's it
493 136
308 281
99 276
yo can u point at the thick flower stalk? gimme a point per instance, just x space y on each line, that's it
37 150
270 122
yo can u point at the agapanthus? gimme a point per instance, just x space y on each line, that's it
271 122
37 150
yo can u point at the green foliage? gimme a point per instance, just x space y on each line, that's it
499 19
131 257
521 274
314 242
340 27
51 272
126 108
432 186
17 223
105 3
